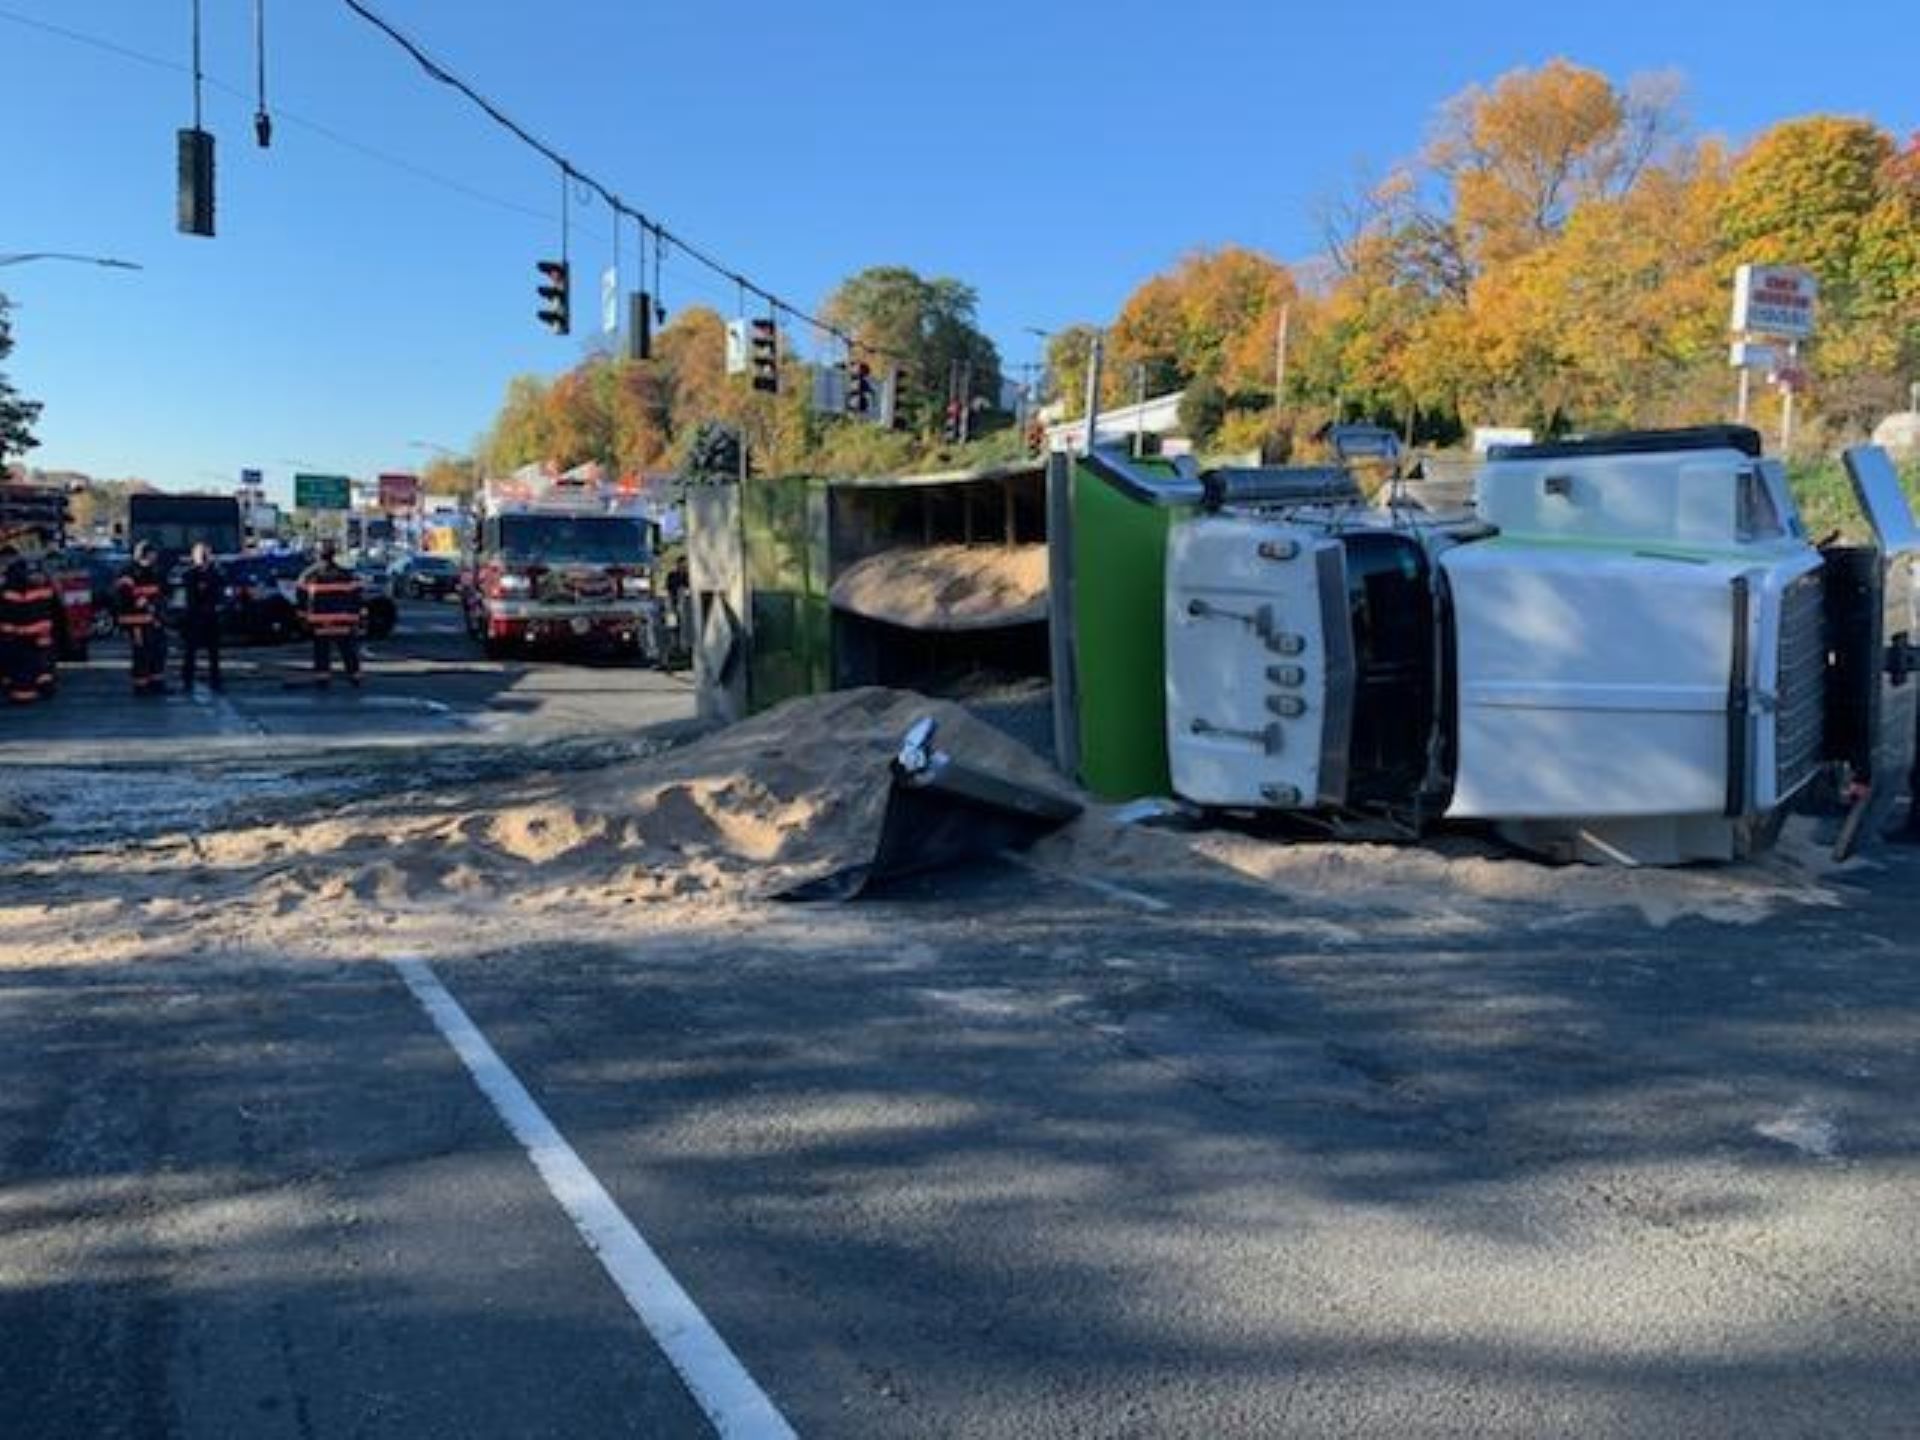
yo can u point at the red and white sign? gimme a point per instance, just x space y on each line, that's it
399 492
1776 300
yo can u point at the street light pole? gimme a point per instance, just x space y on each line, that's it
104 261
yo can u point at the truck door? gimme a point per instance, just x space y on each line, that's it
1873 610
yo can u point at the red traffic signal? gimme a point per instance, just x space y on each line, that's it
556 296
859 387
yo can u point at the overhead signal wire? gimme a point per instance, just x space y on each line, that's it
325 132
662 235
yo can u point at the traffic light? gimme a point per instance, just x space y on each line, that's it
859 387
897 399
639 326
763 344
196 182
556 296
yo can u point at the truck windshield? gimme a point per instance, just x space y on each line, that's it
572 539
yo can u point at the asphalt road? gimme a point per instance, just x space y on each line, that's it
426 683
993 1157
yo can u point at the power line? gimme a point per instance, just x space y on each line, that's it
570 171
664 239
325 132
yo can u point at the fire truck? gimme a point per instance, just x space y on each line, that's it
33 520
560 562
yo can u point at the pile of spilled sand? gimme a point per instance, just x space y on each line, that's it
797 795
787 798
947 587
1451 883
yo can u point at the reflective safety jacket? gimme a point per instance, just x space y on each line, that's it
329 599
27 601
137 597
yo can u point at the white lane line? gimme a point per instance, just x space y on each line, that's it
1090 882
719 1383
219 705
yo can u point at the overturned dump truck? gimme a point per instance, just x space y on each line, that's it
1626 649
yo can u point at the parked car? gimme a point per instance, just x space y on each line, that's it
256 603
260 606
376 596
103 569
426 577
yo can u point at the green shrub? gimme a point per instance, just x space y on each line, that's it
1825 496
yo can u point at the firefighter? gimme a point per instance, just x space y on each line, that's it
13 645
201 586
329 600
139 605
27 614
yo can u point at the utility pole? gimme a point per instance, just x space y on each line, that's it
966 401
1280 360
1139 408
1096 354
1786 398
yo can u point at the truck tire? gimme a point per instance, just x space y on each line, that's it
494 649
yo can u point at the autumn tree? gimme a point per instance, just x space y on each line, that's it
1514 160
450 475
16 413
1215 315
522 431
1069 356
928 325
1445 304
1839 196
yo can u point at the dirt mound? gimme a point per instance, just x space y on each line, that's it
948 587
788 797
1449 884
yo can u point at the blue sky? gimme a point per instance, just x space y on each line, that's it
1053 155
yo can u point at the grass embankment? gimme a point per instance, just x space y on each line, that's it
1825 497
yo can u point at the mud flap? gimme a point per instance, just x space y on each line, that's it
1877 651
943 812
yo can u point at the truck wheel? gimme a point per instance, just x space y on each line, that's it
494 649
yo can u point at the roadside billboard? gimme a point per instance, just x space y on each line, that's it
399 492
1775 300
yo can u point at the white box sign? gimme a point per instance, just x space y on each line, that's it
1774 300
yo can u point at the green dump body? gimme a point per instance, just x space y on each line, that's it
785 524
1119 597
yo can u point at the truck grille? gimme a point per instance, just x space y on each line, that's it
1799 720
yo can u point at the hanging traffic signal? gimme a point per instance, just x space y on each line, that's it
196 182
639 326
895 400
763 343
859 387
556 296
